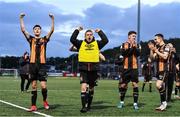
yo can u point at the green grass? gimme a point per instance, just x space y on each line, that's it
64 99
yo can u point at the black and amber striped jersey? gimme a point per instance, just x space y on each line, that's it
161 62
130 55
38 49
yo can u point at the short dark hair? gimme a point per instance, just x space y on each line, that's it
160 35
151 42
131 32
36 26
88 31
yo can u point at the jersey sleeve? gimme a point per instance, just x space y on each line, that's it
30 38
46 39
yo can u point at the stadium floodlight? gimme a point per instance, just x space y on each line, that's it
138 30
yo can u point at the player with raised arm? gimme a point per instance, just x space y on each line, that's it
37 60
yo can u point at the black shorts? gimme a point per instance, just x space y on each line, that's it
88 77
24 76
38 72
147 78
129 75
162 76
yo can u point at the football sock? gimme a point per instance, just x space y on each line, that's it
33 97
90 97
135 94
162 94
83 99
123 92
44 94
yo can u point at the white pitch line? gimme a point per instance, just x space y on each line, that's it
36 112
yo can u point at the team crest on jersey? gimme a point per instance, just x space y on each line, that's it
89 47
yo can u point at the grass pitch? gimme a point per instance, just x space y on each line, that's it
64 99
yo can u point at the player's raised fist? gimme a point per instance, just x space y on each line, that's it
80 28
51 15
22 15
97 30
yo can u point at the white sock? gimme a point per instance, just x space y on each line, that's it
164 102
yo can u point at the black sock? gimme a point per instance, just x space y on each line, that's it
169 90
22 83
33 97
162 94
143 86
90 97
83 99
44 94
176 90
87 94
27 85
150 87
123 92
135 94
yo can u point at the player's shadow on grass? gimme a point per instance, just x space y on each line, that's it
52 107
128 96
98 102
100 105
139 104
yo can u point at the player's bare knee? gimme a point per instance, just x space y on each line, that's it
34 86
134 84
43 87
158 86
83 87
123 85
